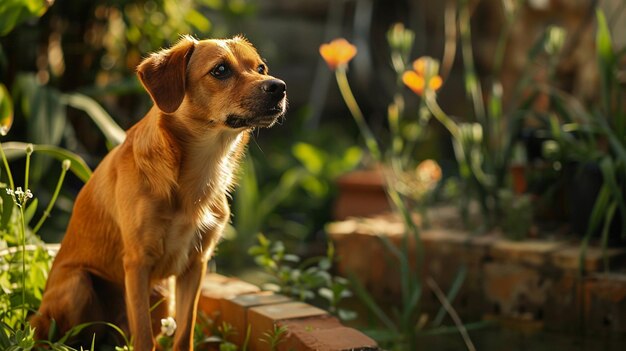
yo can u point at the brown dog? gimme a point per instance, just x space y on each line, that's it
156 205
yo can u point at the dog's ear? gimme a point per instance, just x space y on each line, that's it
163 74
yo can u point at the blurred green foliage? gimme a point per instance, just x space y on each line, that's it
13 12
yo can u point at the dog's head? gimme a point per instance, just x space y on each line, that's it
222 83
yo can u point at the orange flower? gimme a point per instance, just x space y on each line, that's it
423 68
338 52
429 172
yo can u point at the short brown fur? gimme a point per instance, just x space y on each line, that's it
156 205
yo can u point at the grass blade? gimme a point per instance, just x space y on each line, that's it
455 317
452 293
111 130
79 167
369 302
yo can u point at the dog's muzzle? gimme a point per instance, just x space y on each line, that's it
265 109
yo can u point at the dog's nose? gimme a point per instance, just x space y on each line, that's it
275 87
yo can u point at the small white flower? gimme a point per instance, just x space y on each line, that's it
168 326
20 197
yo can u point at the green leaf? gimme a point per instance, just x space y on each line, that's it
325 264
7 209
372 305
346 315
198 20
263 241
603 38
606 60
291 258
78 166
46 124
314 186
351 158
6 110
30 211
46 117
311 157
452 293
599 208
256 251
13 13
326 293
608 218
111 130
288 182
609 172
247 201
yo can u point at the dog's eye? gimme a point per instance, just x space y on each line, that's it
221 71
261 69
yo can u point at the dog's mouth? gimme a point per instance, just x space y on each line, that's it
265 119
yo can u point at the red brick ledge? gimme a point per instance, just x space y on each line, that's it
308 328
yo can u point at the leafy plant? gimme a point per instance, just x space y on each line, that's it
400 328
596 136
275 337
220 334
13 12
25 260
484 142
302 279
261 204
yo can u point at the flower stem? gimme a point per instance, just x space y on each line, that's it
348 97
6 167
29 151
46 213
441 116
23 241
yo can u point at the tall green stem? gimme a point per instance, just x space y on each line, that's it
23 242
353 106
442 117
22 204
472 85
46 213
29 151
6 167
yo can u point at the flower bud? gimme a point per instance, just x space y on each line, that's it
555 39
400 38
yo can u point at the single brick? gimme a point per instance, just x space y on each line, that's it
216 287
233 310
515 290
568 258
322 333
533 252
264 318
604 304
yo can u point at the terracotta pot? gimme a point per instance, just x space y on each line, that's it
361 193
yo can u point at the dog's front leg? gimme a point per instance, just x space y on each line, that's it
137 283
187 295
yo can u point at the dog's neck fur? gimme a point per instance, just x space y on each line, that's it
199 162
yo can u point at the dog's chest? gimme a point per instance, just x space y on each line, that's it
184 241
